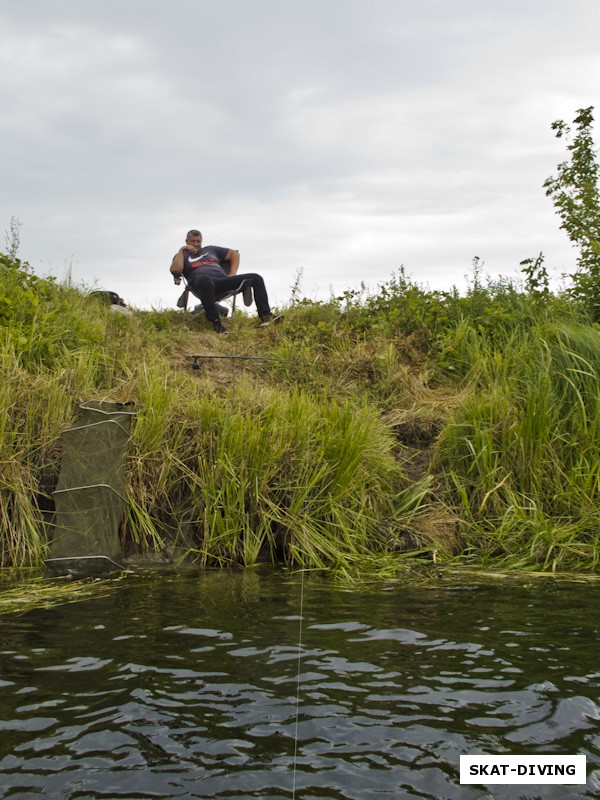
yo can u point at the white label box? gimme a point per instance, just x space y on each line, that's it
523 769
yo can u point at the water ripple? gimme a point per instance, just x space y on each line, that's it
119 697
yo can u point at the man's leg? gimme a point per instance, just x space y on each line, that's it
204 287
233 282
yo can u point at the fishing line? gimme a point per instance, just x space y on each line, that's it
298 684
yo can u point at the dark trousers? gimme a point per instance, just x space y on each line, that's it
210 290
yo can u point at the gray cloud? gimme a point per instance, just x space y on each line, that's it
346 136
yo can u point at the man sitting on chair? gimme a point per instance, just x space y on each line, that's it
206 277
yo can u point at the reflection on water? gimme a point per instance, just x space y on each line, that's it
185 687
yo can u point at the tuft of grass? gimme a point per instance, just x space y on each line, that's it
260 473
522 455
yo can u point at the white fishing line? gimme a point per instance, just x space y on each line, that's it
298 684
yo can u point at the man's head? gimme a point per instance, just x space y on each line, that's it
194 239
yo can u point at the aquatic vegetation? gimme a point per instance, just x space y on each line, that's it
28 592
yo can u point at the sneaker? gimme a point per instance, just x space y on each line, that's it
269 319
218 326
247 295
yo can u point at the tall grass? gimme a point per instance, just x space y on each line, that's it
252 473
522 455
226 469
303 459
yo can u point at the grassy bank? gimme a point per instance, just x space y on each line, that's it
398 427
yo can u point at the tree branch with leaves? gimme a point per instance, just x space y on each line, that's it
576 197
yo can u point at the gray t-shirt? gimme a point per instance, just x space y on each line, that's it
208 259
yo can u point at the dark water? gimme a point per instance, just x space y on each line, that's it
185 687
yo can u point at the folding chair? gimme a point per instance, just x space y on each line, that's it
244 287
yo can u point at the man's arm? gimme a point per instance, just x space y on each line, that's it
233 256
177 263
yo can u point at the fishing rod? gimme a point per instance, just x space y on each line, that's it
198 357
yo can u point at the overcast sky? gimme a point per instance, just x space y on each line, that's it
343 137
